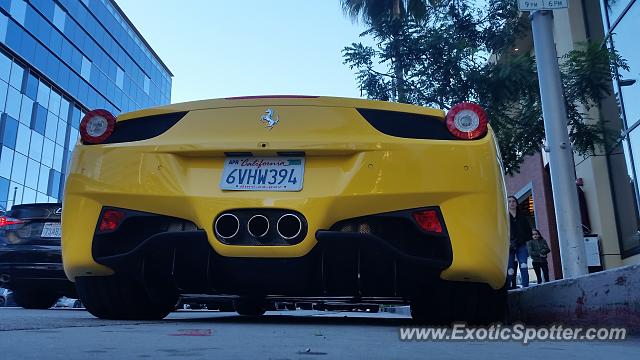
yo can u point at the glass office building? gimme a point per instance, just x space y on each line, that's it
621 19
59 58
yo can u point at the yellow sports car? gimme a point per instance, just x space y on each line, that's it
288 198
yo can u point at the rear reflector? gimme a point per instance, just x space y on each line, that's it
6 221
428 220
111 219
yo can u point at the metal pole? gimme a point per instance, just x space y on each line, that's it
15 190
563 178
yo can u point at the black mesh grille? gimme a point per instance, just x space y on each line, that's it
134 229
400 231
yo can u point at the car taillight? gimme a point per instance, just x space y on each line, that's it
96 126
467 121
6 221
428 220
110 220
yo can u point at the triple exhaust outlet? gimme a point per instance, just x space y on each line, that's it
288 226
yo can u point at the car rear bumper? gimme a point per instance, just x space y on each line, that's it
32 265
341 264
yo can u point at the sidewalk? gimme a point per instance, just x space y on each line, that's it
606 298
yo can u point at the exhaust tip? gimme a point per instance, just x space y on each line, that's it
289 226
258 226
227 226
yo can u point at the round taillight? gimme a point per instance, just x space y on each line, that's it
96 126
467 121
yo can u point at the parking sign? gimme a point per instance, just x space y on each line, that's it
533 5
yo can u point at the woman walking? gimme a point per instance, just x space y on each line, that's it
520 233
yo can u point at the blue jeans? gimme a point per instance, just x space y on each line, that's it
521 254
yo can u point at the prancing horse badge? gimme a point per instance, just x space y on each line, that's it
270 119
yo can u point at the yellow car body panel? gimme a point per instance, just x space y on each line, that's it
351 170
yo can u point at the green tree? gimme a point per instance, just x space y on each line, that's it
459 51
386 18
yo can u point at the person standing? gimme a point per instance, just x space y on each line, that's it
519 233
538 250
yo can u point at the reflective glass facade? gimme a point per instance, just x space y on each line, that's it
59 58
621 23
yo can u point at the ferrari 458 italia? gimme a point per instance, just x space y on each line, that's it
277 198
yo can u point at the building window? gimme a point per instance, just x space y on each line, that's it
19 168
17 74
626 43
42 198
64 109
47 152
28 196
6 162
26 110
59 17
3 94
85 70
54 183
23 139
43 179
5 67
57 160
18 10
624 159
4 21
43 94
147 83
35 151
9 131
120 78
31 179
4 193
14 100
54 103
32 86
615 8
62 132
40 120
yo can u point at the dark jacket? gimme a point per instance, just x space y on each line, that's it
538 250
519 231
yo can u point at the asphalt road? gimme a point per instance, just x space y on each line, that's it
75 334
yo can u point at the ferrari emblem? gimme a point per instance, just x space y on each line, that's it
270 119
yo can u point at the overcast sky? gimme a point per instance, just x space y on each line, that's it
220 48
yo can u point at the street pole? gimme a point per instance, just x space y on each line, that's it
563 178
15 190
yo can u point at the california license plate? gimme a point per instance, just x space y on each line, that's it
51 230
263 173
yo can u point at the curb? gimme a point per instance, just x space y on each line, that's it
604 299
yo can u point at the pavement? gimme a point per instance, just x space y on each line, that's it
606 298
76 334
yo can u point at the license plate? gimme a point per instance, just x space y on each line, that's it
263 173
51 230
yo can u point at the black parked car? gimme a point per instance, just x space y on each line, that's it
30 258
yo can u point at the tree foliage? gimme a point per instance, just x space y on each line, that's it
457 50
